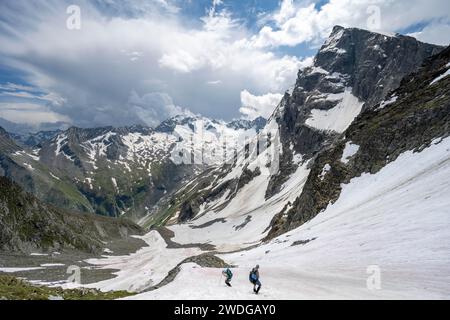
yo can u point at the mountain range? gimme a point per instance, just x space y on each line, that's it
351 170
114 171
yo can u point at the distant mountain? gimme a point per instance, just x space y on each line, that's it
23 166
258 124
23 129
125 171
28 225
34 139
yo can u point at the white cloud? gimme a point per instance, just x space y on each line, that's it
51 98
29 113
438 33
214 82
255 106
287 11
95 69
127 49
13 87
298 22
154 106
181 61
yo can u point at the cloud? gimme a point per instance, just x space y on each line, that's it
181 61
438 33
52 98
13 87
214 82
153 106
139 61
298 22
119 53
255 106
29 113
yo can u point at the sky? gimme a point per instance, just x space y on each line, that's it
91 63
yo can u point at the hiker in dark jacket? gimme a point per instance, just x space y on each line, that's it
254 279
228 275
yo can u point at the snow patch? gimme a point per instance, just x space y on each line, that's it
28 166
325 170
349 151
14 270
388 102
338 118
114 182
53 176
442 76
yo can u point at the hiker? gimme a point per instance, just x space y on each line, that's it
228 275
254 279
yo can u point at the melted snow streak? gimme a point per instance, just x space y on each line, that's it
396 220
13 270
447 73
338 118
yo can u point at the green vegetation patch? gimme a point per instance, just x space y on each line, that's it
12 288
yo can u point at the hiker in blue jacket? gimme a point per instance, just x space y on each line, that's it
254 279
228 275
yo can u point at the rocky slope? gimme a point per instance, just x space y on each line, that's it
27 224
23 166
411 117
352 73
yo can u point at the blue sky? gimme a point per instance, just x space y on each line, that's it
142 61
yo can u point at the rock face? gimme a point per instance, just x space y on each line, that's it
410 118
374 63
26 224
353 71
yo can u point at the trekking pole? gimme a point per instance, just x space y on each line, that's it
220 280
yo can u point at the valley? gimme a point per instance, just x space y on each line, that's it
341 194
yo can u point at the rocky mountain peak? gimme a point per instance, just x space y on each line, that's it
3 133
354 70
6 143
373 62
258 124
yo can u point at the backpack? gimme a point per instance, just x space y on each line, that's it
228 273
252 277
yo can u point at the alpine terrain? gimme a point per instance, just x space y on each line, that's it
341 193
